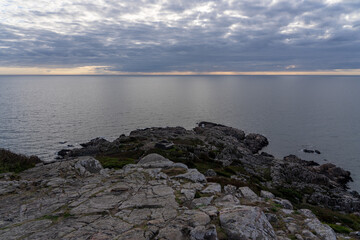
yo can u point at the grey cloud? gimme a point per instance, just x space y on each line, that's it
243 36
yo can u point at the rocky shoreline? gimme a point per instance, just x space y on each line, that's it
212 182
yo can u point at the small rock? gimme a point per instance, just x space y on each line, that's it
266 194
284 203
202 232
227 201
292 228
210 173
299 237
272 218
203 201
164 144
247 193
212 188
355 235
188 193
193 175
229 189
307 213
308 235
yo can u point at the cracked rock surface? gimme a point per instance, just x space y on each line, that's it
139 201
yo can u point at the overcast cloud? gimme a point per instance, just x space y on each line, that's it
161 35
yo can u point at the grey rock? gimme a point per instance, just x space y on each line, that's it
202 232
88 165
227 201
203 201
322 230
188 193
266 194
307 213
309 235
229 189
284 203
272 218
193 175
246 222
155 160
210 173
212 188
247 193
299 237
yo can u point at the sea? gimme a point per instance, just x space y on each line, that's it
40 115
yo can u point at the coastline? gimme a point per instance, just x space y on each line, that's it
205 170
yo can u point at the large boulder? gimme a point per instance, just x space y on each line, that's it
335 173
88 165
323 231
245 223
155 160
255 142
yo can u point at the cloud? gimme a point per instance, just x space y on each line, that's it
164 35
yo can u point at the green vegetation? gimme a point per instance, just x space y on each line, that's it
114 162
339 228
292 194
11 162
332 217
174 171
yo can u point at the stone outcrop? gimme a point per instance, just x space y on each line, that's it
324 185
213 183
78 199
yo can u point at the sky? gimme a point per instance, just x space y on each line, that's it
180 37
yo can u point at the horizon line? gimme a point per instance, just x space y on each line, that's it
104 70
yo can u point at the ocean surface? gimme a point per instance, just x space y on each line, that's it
39 113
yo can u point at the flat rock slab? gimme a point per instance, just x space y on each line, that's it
246 222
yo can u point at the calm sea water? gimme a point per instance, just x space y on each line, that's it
322 112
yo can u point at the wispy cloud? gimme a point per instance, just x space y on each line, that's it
181 36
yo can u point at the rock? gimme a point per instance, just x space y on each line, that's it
355 235
322 230
229 189
155 160
308 151
202 232
292 228
247 193
284 203
210 173
64 152
266 194
164 144
88 165
94 142
227 201
307 213
265 154
212 188
193 175
203 201
272 218
299 237
309 235
335 173
255 142
246 222
188 193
